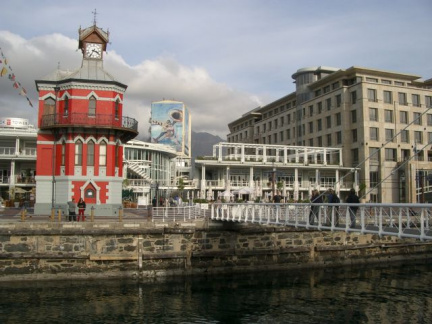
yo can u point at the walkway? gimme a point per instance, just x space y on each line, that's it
402 220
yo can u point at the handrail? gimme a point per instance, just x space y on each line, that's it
402 220
84 119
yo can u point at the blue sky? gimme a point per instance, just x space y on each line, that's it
221 58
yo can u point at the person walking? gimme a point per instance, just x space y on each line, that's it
72 210
316 199
334 199
81 209
353 199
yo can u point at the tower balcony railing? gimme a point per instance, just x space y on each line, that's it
86 120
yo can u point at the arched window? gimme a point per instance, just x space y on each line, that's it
66 106
49 106
92 106
89 193
117 109
78 152
102 153
90 153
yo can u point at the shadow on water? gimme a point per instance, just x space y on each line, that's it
368 294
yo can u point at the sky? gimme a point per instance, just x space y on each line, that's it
222 58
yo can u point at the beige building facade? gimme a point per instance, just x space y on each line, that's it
381 120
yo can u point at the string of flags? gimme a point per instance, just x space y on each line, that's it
6 69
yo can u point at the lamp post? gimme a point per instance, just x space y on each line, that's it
56 90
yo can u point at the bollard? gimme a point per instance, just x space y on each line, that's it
59 215
92 214
52 214
120 214
23 215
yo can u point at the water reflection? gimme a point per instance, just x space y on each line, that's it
363 295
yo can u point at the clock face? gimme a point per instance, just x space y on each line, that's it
93 51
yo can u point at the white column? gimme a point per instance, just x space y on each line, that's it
242 157
285 155
337 186
317 180
325 157
296 185
251 172
203 181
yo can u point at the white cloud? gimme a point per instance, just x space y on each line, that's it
211 103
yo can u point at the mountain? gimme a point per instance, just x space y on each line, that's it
202 143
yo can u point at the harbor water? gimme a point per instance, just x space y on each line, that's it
367 294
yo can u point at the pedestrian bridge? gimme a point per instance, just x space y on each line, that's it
402 220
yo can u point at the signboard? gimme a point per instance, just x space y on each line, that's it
14 122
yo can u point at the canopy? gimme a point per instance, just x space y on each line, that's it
225 193
244 191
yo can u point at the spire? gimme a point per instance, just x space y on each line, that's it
94 17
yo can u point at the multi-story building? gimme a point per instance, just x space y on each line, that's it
17 160
82 131
382 120
257 171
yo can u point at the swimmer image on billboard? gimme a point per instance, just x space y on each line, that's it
167 124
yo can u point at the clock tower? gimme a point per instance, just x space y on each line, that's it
82 131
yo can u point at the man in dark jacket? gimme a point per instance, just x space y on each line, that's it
315 200
353 199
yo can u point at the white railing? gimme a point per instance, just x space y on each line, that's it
174 214
402 220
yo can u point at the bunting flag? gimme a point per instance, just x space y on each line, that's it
11 76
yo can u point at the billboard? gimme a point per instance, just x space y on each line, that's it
187 132
14 122
166 124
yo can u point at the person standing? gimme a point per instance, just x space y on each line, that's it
72 210
353 199
316 199
154 201
334 199
81 209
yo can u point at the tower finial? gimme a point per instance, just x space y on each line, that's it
94 17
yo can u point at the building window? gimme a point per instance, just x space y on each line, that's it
328 121
402 99
282 121
92 106
386 81
354 135
430 137
335 85
374 154
404 136
275 123
338 137
429 119
428 101
326 89
353 97
117 155
390 154
373 114
319 125
416 100
355 156
372 80
417 118
288 134
354 116
338 119
329 140
66 106
372 95
102 153
275 138
117 109
319 105
388 97
90 153
338 100
49 106
403 116
389 133
328 103
311 127
78 152
311 142
310 110
373 133
289 118
398 83
374 179
418 137
281 136
320 141
63 153
388 116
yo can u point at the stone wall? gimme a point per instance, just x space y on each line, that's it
96 250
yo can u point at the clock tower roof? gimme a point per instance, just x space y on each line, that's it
93 34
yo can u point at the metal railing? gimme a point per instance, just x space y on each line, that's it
83 119
402 220
182 214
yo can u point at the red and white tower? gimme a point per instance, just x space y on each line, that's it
82 131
